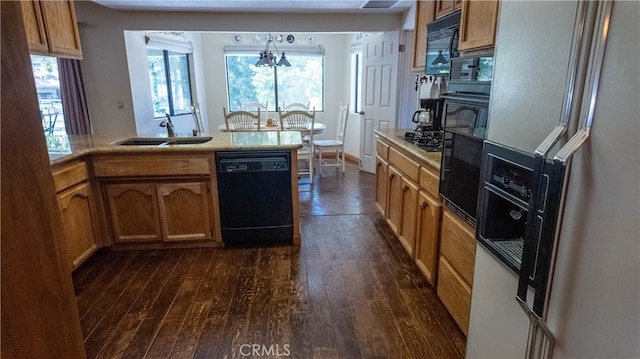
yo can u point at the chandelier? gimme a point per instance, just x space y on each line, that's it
267 58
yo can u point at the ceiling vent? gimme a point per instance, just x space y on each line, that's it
379 4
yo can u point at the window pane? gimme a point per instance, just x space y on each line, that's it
248 83
302 82
46 76
180 86
158 77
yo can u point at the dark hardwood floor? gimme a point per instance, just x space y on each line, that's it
349 291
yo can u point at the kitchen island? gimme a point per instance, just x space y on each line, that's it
115 194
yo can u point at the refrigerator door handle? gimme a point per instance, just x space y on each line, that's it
593 81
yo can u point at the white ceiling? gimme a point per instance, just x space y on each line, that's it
378 6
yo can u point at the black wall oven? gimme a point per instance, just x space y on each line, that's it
465 126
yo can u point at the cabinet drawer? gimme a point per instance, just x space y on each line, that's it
458 245
164 165
408 166
382 149
70 174
430 181
454 293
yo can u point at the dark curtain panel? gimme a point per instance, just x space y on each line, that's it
74 101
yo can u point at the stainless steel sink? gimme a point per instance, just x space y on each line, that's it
187 140
140 141
153 141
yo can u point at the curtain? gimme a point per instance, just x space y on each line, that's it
74 101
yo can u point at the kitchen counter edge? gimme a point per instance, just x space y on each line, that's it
393 135
69 147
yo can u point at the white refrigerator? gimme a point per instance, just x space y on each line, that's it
594 306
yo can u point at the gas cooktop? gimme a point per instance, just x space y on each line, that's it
430 141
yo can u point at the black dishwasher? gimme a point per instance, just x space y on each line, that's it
254 191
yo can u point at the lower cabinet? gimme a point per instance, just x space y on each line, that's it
409 202
455 270
394 199
77 208
184 211
382 172
428 234
144 212
134 213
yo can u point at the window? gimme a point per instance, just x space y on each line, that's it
356 81
170 82
302 82
46 76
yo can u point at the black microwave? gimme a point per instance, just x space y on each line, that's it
442 44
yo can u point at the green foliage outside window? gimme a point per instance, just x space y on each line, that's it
170 94
302 82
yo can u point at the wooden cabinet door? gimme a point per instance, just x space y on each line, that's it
455 294
425 13
382 174
34 27
407 235
62 28
428 233
478 24
444 7
184 211
78 217
394 200
456 266
133 210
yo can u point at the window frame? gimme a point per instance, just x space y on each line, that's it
167 73
230 51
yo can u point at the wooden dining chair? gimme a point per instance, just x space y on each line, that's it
255 107
302 121
336 146
241 120
295 106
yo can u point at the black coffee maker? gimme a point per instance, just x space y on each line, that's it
434 107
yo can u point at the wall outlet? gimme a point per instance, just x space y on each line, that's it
121 105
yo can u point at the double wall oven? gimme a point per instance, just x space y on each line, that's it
465 118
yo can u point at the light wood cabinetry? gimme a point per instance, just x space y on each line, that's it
455 270
142 212
51 28
134 213
478 24
441 243
184 211
382 166
394 200
382 173
428 233
158 198
443 7
78 209
425 13
407 234
412 208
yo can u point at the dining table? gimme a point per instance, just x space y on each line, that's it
318 127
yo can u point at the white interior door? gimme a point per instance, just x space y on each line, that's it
380 75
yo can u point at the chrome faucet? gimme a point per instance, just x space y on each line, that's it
169 125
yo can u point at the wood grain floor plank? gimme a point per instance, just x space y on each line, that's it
146 333
117 302
348 291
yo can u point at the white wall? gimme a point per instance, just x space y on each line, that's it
106 70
